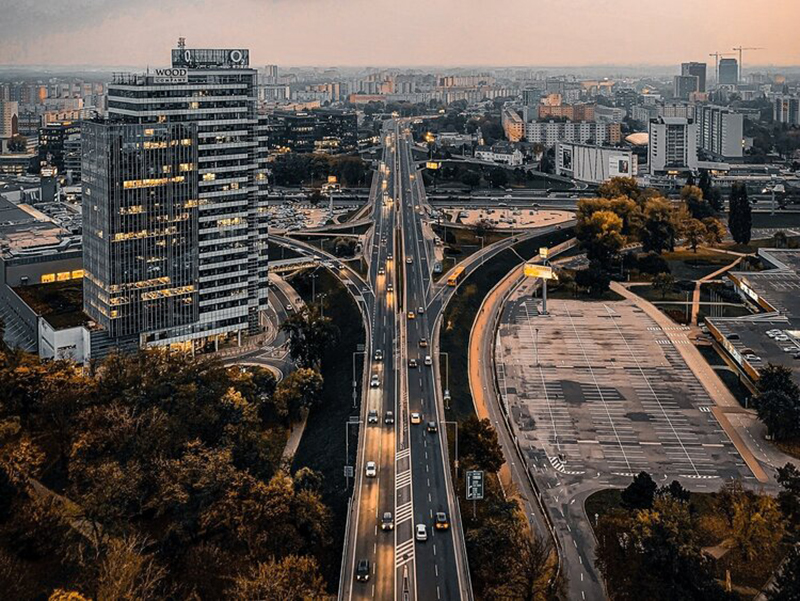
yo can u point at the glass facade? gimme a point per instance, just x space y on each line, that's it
140 226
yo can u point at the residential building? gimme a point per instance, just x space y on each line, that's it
501 153
594 164
9 117
728 71
513 125
672 145
572 112
214 89
720 132
697 70
786 109
551 132
56 142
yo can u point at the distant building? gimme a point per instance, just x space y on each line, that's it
672 145
9 118
551 132
609 114
684 86
697 70
513 125
329 131
58 143
728 71
720 132
573 112
501 153
594 164
786 109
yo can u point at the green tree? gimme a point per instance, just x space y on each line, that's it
786 586
660 228
479 446
663 283
715 231
757 527
293 578
695 232
676 491
601 235
777 402
740 221
301 389
640 493
699 208
595 279
498 177
310 335
619 186
471 179
789 496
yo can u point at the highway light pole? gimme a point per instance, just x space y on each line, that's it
446 379
455 461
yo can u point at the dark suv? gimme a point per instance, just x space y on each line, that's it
362 570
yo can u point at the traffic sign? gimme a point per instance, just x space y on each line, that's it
533 270
348 471
474 485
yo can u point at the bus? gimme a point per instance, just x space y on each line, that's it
456 276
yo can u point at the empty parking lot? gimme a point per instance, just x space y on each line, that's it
597 388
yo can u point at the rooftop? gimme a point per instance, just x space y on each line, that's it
60 304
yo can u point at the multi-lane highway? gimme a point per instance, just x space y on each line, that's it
402 466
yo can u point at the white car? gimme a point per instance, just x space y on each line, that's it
374 382
420 310
428 360
371 470
421 533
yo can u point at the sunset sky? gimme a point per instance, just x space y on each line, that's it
400 32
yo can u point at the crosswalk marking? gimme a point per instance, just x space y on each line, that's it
404 553
402 479
404 512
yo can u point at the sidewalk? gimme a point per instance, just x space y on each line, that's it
725 402
703 280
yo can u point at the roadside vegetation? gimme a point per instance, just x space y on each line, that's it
665 543
154 476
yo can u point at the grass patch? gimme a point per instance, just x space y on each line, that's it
322 447
790 447
688 265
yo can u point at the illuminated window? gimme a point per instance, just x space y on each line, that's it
234 185
186 166
77 273
194 105
63 276
209 177
48 278
149 132
166 168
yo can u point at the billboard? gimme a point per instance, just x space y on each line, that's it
532 270
171 75
566 158
195 58
619 165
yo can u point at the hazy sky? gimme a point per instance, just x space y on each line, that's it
400 32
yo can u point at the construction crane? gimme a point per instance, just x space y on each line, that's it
740 48
717 56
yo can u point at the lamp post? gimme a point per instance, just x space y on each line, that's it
455 461
446 379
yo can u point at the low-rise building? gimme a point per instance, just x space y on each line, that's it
513 125
593 164
501 154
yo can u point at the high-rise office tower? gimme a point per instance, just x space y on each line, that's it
140 228
728 71
697 70
684 86
672 145
786 109
720 131
214 89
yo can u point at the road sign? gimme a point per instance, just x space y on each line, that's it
348 471
474 485
532 270
433 165
360 348
543 252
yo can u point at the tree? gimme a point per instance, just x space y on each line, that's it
471 179
127 571
310 335
786 586
695 232
18 143
344 247
619 186
601 235
699 208
664 283
676 491
777 402
789 496
483 227
316 196
498 177
757 526
294 578
479 446
595 279
660 228
715 231
740 221
301 389
640 493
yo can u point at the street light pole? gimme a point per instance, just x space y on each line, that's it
446 379
455 461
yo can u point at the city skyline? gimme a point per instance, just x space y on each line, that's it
110 32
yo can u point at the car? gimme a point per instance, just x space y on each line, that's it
789 349
362 570
412 362
389 287
411 315
388 418
409 260
431 426
289 308
387 523
389 257
381 271
372 417
423 342
374 382
416 417
442 522
420 310
428 360
502 204
378 355
371 470
733 336
422 533
782 338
